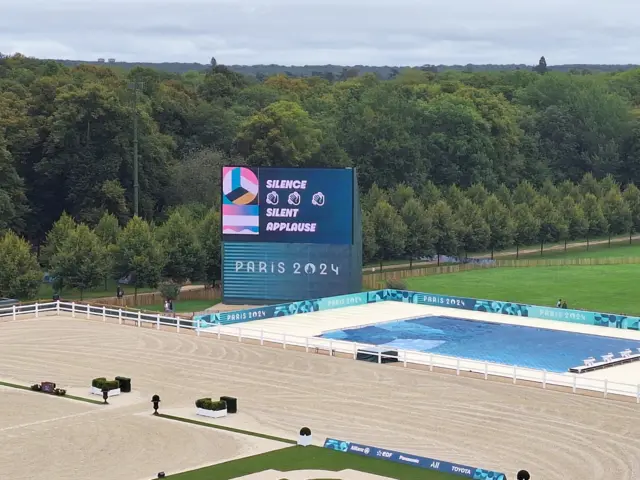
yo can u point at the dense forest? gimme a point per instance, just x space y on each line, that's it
336 71
449 162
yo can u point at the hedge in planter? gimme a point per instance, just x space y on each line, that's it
209 404
102 383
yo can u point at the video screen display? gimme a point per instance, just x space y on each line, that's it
287 205
268 272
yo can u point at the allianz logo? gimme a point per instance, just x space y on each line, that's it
356 448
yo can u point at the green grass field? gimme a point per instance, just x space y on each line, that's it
310 458
183 306
595 251
604 288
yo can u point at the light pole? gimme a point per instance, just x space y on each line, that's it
136 86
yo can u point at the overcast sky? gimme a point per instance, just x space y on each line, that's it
347 32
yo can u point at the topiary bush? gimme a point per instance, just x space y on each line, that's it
305 431
36 388
61 392
98 382
396 284
110 384
209 404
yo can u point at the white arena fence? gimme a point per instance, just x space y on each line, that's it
405 358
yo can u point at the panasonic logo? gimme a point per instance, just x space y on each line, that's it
409 459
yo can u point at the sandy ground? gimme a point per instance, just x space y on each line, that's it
485 424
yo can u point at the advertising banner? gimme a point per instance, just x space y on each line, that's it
414 460
287 205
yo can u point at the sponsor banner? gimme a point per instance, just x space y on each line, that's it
286 309
410 459
517 309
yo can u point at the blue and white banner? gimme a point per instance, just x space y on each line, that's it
414 460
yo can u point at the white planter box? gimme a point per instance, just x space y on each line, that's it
304 440
212 413
112 393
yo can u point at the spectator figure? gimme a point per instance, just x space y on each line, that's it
166 306
559 304
119 292
171 305
564 304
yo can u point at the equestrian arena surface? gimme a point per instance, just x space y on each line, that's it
493 425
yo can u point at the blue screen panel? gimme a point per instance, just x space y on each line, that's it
287 205
281 272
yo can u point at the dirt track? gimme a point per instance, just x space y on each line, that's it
492 425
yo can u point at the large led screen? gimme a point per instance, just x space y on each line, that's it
287 205
271 272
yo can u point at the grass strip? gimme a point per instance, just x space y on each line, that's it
291 459
71 397
228 429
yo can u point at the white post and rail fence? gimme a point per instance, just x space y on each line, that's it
575 383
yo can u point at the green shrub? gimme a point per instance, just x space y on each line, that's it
203 403
61 392
111 384
36 388
98 382
396 284
208 404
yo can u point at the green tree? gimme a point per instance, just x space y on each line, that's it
445 229
390 231
617 212
632 197
370 247
526 227
209 236
400 195
575 219
282 134
552 226
525 193
541 68
183 253
499 222
474 233
419 241
12 198
56 236
139 255
108 229
373 196
596 221
20 275
80 261
477 193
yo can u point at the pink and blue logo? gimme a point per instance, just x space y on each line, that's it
240 201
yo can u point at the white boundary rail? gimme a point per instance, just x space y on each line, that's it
331 347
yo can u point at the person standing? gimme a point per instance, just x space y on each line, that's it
559 304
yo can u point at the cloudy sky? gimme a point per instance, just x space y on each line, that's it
347 32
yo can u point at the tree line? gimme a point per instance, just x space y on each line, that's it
77 257
401 222
406 223
66 133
